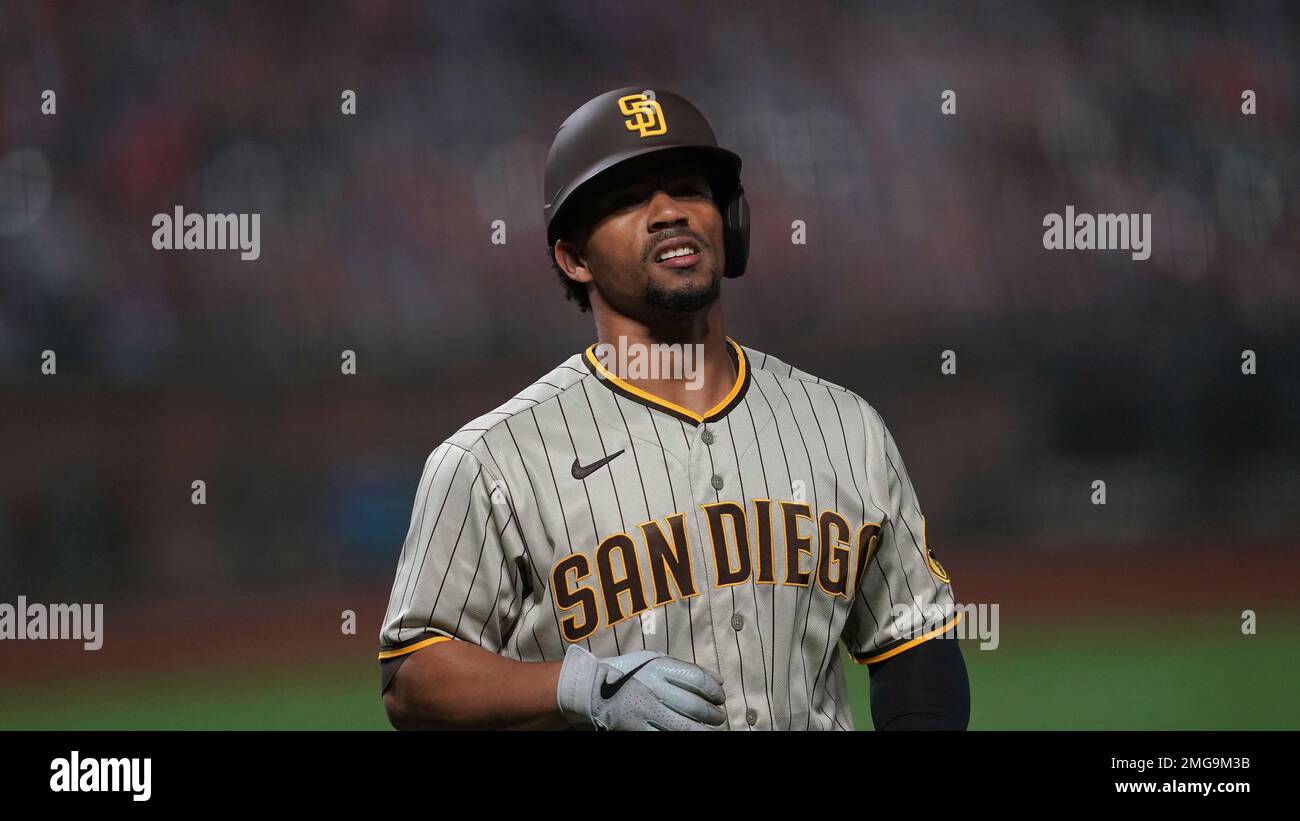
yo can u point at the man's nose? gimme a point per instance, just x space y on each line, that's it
665 210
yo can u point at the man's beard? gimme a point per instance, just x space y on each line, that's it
682 300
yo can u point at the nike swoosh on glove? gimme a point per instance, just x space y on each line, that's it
645 690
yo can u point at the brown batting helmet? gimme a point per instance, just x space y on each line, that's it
611 131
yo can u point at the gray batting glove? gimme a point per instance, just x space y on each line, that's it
645 690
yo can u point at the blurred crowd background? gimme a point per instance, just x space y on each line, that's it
924 234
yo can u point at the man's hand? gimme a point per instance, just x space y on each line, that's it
645 690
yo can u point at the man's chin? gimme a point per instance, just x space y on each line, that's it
683 297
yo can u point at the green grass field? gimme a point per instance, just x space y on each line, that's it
1116 681
1106 677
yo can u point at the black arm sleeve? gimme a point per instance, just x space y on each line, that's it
388 671
924 688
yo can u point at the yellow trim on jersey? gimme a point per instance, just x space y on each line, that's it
402 651
605 373
938 631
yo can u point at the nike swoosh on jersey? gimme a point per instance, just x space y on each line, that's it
583 471
607 690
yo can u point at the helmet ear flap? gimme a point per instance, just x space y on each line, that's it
735 231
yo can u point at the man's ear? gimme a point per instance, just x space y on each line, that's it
569 256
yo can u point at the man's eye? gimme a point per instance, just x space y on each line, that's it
628 200
631 199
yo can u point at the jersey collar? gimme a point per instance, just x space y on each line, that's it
626 389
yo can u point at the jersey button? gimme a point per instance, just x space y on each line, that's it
738 623
707 437
751 716
717 482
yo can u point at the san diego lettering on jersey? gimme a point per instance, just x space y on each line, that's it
613 587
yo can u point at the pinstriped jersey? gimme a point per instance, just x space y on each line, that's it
752 540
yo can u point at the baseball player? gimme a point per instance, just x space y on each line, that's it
623 546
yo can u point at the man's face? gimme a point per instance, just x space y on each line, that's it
655 243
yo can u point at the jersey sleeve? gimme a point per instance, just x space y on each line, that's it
457 574
904 596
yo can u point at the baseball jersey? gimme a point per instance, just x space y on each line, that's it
751 540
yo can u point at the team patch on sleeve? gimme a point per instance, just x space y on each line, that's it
937 569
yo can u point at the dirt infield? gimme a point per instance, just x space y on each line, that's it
1142 580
